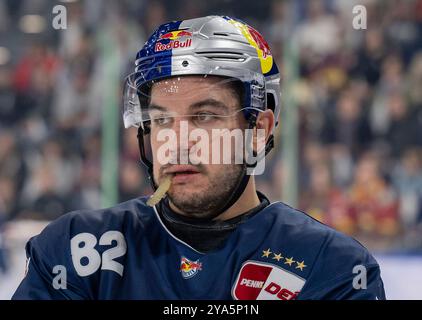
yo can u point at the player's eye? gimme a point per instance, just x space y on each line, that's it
161 120
205 117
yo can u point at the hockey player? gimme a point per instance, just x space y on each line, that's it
206 233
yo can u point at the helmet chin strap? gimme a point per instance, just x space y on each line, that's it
240 185
144 159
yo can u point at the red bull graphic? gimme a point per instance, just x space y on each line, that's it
189 268
256 40
178 39
260 42
173 35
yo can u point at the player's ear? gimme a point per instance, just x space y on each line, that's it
265 124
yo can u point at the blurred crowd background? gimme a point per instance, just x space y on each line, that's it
359 96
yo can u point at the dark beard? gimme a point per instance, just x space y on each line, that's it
206 205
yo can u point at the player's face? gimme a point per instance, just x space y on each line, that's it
194 102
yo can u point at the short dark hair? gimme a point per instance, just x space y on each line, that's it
237 87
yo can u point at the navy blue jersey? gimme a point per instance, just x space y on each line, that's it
126 252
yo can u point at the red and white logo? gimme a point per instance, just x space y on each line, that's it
262 281
189 268
175 40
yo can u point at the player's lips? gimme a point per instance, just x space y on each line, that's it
183 173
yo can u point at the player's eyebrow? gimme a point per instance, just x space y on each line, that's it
154 106
195 106
209 102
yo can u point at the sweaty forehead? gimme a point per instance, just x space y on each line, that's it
182 91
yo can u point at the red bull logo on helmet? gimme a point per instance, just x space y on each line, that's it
178 39
260 42
173 35
256 40
189 268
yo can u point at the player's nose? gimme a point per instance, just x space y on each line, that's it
183 128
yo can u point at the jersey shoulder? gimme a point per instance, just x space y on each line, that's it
130 217
305 235
75 245
103 219
326 260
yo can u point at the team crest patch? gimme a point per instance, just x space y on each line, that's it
189 268
264 281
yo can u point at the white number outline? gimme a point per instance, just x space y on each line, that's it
95 261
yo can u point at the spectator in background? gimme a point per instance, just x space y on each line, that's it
279 27
373 200
34 77
77 105
414 80
325 202
42 200
348 125
8 113
343 165
313 154
34 80
52 179
318 37
61 164
414 92
132 181
69 40
13 173
87 189
3 257
402 28
7 204
278 174
407 180
391 82
3 253
369 58
5 16
403 130
7 198
155 11
130 149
